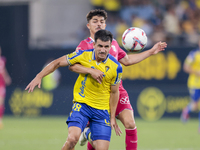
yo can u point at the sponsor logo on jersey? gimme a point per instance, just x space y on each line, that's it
82 88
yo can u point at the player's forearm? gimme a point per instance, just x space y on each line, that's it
52 66
47 70
141 56
78 68
135 58
114 97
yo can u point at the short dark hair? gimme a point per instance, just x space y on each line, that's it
103 35
96 12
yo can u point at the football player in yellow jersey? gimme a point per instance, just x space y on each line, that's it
192 67
93 102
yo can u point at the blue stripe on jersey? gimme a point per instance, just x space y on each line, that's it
114 59
80 52
119 68
192 53
88 50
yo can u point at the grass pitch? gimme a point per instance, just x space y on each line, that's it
50 133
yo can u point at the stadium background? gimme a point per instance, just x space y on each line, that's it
32 31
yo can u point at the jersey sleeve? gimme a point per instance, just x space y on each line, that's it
74 57
190 58
118 75
82 46
121 52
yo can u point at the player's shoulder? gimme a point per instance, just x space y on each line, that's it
114 42
85 44
117 65
79 52
3 59
113 59
88 40
193 52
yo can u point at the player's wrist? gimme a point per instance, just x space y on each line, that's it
39 76
90 70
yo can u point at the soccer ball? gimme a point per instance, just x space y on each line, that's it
134 39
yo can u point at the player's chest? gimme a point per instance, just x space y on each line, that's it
107 68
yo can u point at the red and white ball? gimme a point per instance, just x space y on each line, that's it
134 39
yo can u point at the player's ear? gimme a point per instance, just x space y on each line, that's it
88 26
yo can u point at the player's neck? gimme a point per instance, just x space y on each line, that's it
97 58
92 36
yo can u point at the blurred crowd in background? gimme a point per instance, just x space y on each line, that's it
175 21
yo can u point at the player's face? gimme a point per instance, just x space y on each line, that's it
96 23
101 49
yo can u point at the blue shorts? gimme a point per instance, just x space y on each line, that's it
99 121
195 94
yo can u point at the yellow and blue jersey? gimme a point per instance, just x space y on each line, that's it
86 89
193 60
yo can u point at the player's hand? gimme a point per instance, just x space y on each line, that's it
115 126
35 82
159 46
97 75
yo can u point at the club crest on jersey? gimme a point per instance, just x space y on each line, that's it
107 68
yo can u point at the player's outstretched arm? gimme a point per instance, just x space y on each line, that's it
136 58
51 67
7 77
95 73
114 97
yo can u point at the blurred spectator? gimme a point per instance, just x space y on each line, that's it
171 22
191 33
158 34
51 81
97 4
192 67
111 24
149 12
112 6
4 80
176 21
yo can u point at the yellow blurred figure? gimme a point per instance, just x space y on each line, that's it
51 81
